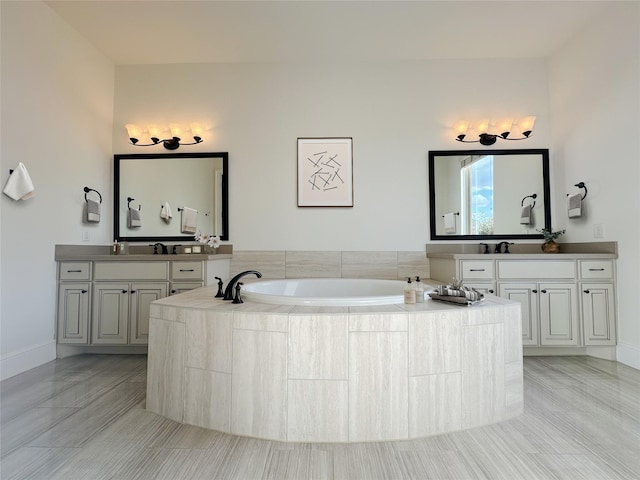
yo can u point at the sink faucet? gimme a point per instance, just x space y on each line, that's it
228 293
161 245
498 248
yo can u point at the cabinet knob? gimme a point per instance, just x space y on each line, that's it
125 291
83 291
490 291
587 291
133 291
173 291
534 291
543 291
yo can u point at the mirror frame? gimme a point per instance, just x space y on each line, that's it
151 156
544 153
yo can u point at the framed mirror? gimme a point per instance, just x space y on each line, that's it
167 197
489 194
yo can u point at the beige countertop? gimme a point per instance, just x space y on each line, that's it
520 256
139 253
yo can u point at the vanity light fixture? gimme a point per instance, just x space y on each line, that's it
154 133
482 128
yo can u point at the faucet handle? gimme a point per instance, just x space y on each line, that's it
220 293
237 298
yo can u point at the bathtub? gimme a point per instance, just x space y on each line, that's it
338 292
316 374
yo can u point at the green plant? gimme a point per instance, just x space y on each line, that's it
549 235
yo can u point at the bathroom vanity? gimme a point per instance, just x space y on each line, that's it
568 299
104 300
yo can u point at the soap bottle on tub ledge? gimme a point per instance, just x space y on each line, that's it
409 292
419 291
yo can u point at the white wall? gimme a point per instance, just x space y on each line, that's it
57 105
595 107
396 112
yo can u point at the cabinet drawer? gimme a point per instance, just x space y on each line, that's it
131 271
75 271
476 269
538 269
596 269
186 270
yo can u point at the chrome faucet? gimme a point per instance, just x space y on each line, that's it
228 292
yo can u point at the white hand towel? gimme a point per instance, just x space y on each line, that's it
574 205
165 212
19 185
93 211
525 215
134 218
450 223
189 219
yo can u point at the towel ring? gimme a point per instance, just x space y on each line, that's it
534 196
129 200
581 185
87 190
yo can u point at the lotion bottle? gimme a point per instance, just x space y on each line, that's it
409 292
419 291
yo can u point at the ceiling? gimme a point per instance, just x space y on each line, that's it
207 31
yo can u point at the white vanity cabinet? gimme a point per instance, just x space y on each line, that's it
120 313
74 293
568 300
597 302
550 315
104 300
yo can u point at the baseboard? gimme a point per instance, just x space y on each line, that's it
20 361
629 355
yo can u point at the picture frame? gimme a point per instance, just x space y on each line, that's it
325 172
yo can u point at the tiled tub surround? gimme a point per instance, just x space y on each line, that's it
333 374
386 265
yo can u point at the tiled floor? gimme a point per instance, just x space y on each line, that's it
84 418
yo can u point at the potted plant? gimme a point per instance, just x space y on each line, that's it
550 245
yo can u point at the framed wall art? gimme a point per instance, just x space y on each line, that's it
325 172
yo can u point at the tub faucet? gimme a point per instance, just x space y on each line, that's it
228 292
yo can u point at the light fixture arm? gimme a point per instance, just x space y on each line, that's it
490 138
172 143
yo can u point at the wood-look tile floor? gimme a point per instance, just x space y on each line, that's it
84 418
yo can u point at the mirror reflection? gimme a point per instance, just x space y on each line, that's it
485 194
168 197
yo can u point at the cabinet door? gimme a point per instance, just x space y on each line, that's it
73 313
558 314
110 313
142 294
527 295
598 316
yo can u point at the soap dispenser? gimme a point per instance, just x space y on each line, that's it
409 292
419 291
